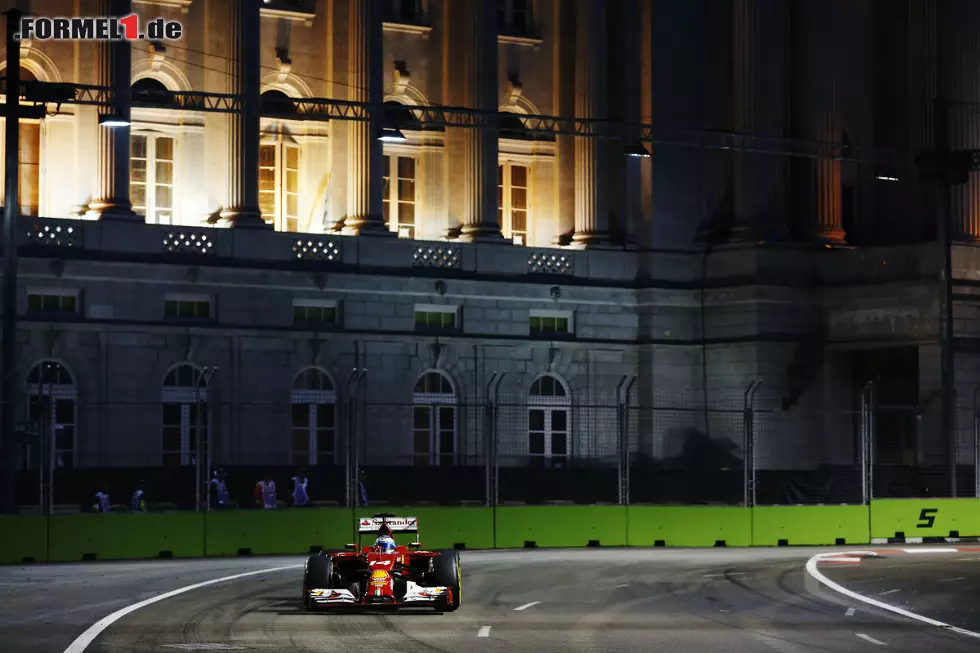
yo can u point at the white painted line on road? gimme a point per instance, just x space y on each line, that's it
523 607
734 573
85 639
623 585
850 612
869 638
887 592
931 550
483 632
847 559
950 580
811 568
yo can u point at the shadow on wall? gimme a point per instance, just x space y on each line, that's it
693 449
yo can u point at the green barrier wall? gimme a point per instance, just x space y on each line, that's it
277 531
560 526
24 539
925 517
444 528
693 526
126 536
810 525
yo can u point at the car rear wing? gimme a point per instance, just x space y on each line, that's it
396 524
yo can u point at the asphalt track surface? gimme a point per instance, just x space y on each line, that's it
734 600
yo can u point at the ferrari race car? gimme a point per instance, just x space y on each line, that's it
384 573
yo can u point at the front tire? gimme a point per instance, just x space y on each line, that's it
319 572
446 572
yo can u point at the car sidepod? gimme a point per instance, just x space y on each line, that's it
446 572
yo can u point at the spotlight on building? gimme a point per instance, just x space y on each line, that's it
392 135
113 121
637 151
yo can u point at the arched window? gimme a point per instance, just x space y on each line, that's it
182 403
434 420
275 102
314 425
549 412
52 409
152 92
29 158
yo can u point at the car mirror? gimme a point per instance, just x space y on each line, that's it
352 547
415 545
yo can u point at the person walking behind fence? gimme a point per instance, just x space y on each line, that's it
362 483
102 500
300 496
265 493
218 490
139 499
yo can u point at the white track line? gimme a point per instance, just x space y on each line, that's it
734 573
950 580
483 632
850 612
869 638
523 607
811 568
85 639
887 592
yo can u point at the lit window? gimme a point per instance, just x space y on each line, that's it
29 160
279 184
433 319
549 323
199 309
151 177
514 17
512 201
312 312
399 195
52 303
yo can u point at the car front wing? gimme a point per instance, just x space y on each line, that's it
414 595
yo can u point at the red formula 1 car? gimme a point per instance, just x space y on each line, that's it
384 573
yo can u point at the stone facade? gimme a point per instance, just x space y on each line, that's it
697 270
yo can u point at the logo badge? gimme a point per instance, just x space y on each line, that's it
380 578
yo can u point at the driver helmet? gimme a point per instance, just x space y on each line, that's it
384 544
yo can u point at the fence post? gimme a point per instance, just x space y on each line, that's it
201 443
748 443
352 467
976 444
867 442
490 444
622 444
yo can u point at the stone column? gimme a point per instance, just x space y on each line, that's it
244 29
481 147
816 46
365 79
760 77
114 70
960 85
591 196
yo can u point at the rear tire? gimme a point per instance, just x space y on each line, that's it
446 572
319 572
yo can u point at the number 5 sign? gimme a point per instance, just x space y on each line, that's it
927 517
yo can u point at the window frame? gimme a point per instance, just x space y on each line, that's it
393 15
150 184
550 405
546 314
61 293
393 204
189 299
189 400
429 309
505 19
505 206
434 404
325 304
282 143
42 131
312 399
56 392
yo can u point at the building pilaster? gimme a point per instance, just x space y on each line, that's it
591 195
481 148
365 79
244 30
114 70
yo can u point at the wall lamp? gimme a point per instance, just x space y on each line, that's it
392 135
637 151
113 121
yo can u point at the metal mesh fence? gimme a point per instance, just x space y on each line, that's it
670 450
